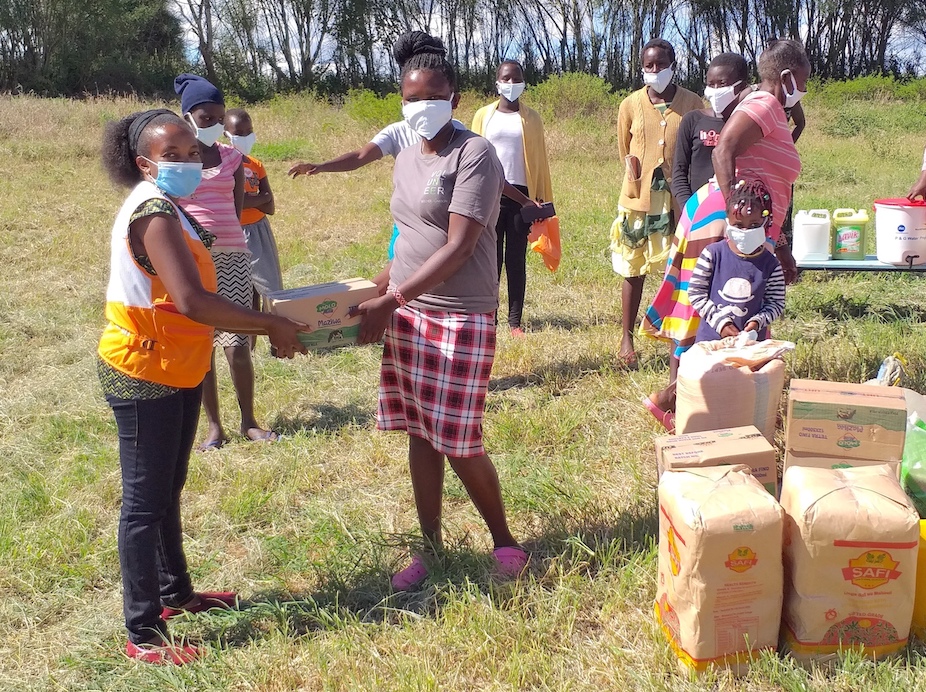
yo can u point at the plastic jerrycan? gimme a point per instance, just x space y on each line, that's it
812 235
850 231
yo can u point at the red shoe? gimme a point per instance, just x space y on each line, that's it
163 654
201 601
517 332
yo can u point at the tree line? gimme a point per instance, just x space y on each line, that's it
257 48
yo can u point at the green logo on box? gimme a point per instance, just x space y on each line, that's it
327 307
848 442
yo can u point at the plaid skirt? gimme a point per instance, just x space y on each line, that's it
233 274
435 376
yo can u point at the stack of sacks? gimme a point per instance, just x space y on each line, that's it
719 590
723 384
851 544
745 445
837 425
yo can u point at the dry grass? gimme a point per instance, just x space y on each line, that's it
310 528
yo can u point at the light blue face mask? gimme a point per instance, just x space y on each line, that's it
178 178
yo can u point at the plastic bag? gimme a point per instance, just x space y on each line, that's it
913 465
544 238
722 385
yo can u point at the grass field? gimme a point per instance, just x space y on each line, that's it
309 529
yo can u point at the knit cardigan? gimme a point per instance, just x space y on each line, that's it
650 136
536 163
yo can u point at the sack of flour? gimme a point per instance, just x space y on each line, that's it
851 543
722 384
719 588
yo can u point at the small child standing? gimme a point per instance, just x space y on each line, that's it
737 284
258 204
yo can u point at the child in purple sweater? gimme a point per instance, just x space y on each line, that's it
737 284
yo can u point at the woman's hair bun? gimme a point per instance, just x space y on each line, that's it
416 43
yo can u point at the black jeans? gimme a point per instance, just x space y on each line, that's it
512 252
155 440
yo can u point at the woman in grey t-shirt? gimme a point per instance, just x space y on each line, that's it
438 310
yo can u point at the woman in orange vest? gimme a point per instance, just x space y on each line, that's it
161 308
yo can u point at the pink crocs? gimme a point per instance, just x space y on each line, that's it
412 576
510 562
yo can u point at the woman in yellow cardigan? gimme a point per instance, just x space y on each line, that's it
641 235
516 132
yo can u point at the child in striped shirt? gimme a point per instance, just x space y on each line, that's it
737 284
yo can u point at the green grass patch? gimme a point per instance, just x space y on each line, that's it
309 529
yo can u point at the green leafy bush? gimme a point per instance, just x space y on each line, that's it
573 94
367 108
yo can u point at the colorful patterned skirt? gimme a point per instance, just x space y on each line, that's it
670 317
434 378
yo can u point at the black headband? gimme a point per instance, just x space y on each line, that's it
140 123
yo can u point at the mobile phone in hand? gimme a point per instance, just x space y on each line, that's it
532 212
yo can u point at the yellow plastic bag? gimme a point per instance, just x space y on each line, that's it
544 238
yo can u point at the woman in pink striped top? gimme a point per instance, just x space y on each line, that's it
756 143
217 205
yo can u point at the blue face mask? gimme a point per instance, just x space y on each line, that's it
178 178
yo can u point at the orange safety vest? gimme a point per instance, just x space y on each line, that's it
147 338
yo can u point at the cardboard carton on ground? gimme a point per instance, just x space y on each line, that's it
325 308
730 446
821 462
846 421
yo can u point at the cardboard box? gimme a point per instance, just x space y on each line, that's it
744 445
846 421
325 308
821 462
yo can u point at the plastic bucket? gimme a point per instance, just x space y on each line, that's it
900 227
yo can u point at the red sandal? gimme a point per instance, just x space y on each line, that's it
202 601
163 654
665 418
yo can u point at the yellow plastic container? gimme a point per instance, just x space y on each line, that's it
850 231
918 627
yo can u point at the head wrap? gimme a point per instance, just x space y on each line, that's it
140 123
195 90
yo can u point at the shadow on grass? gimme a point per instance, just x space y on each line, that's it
324 418
359 592
557 375
539 322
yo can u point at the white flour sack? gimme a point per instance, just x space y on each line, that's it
851 544
720 581
725 385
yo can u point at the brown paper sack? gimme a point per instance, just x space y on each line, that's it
718 387
719 589
851 541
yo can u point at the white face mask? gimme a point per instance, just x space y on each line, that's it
795 95
243 143
658 81
510 90
427 118
207 135
746 240
721 97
